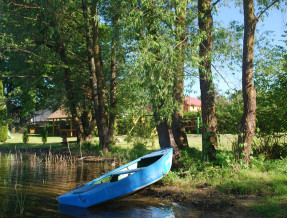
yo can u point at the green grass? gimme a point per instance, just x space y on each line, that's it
35 142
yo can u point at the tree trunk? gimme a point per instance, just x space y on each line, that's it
91 61
209 120
166 138
96 74
247 124
102 99
177 117
113 82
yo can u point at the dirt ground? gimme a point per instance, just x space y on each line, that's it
209 202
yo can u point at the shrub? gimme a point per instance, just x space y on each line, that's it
89 146
44 135
3 133
3 117
25 136
271 146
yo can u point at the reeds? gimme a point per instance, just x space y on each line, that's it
19 157
20 203
5 208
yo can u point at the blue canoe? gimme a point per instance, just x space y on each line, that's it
122 181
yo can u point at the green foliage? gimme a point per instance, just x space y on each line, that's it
154 55
271 100
229 111
25 136
124 125
271 146
139 147
3 132
271 86
3 116
92 147
141 126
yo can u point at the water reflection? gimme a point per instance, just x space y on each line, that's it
135 206
30 184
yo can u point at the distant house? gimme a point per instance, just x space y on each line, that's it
192 104
41 116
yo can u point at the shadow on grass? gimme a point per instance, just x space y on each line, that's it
273 207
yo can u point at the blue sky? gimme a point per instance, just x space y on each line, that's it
275 21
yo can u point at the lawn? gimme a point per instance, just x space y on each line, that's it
35 141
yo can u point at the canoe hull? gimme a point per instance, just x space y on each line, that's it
128 185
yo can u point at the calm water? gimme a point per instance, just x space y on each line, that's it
29 185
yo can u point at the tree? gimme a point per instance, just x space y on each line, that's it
48 62
3 116
158 51
96 72
209 120
115 14
177 125
247 124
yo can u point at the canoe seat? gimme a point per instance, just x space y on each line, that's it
154 154
127 171
84 188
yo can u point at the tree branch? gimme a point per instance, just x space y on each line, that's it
25 76
24 5
222 77
269 6
214 4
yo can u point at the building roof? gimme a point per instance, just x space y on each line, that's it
192 101
59 114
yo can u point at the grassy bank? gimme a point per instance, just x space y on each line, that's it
259 189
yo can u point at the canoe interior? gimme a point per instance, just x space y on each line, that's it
129 170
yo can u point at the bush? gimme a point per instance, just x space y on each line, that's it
89 146
3 133
3 116
44 135
25 136
271 146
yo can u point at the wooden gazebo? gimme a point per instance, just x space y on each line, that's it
62 115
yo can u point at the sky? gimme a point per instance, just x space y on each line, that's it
275 21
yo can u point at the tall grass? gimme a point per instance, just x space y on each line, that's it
20 203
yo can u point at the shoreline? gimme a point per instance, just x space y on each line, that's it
207 200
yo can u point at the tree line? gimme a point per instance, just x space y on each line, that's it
102 59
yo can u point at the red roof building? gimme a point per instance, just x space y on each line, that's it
192 104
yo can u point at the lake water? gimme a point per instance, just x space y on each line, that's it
30 184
